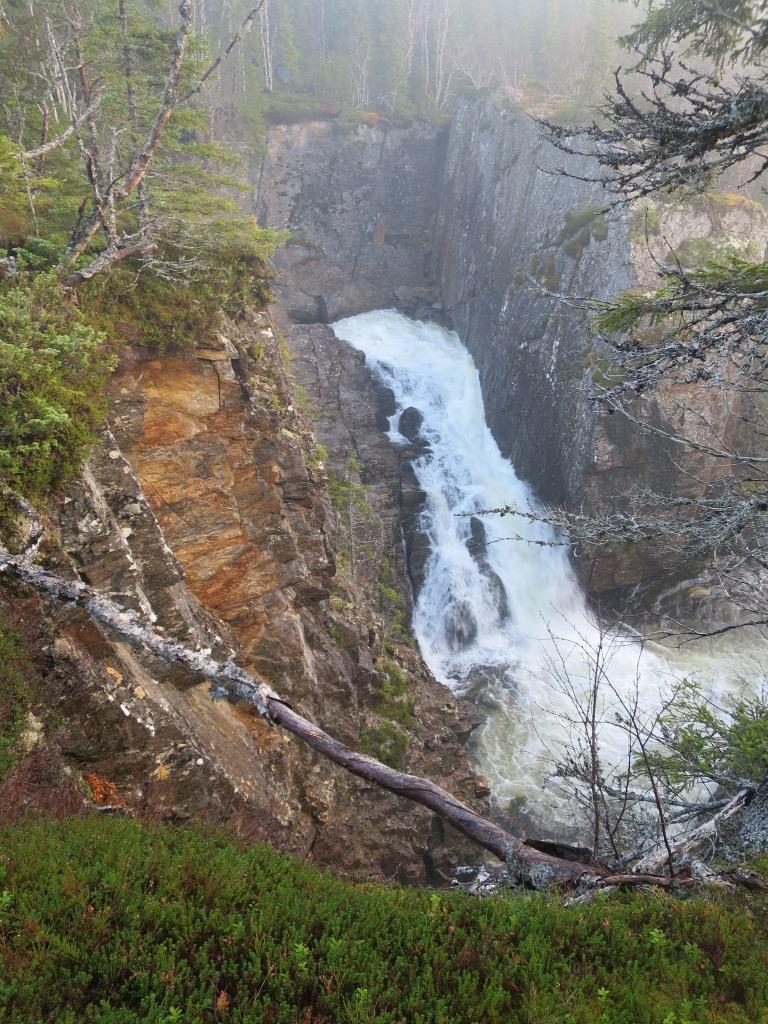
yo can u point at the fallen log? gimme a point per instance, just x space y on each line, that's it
694 843
526 863
227 678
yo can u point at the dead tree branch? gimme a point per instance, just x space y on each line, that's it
62 137
693 844
214 67
227 679
110 189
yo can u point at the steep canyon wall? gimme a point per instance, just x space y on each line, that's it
360 205
244 496
477 226
211 508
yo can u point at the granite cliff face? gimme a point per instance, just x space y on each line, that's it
503 236
360 204
512 228
458 225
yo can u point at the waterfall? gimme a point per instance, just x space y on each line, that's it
500 616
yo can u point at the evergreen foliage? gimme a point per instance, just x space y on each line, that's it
104 920
718 31
725 743
189 207
53 369
415 57
203 253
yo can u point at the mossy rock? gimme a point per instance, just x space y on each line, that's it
697 252
386 742
543 268
645 221
583 225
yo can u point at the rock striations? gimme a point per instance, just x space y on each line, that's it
492 250
211 507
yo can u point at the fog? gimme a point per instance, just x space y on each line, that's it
417 56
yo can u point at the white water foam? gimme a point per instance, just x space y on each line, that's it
501 646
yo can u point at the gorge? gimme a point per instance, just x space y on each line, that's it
471 227
246 496
383 512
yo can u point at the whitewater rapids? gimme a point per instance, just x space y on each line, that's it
507 648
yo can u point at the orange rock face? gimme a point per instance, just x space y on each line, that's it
197 450
209 504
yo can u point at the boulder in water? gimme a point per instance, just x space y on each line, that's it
460 626
417 543
477 545
498 593
410 424
386 406
417 552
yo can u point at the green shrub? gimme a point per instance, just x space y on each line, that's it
301 398
698 252
707 743
38 254
103 921
391 702
53 370
15 674
15 216
388 741
317 457
347 495
148 310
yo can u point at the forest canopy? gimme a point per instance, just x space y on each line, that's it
414 57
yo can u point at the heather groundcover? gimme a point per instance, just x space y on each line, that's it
108 920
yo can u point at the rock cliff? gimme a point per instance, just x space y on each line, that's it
491 250
244 496
208 505
360 204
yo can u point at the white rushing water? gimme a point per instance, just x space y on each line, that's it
505 627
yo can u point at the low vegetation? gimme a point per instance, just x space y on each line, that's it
583 225
543 267
15 694
644 222
147 310
105 920
53 370
388 741
142 240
